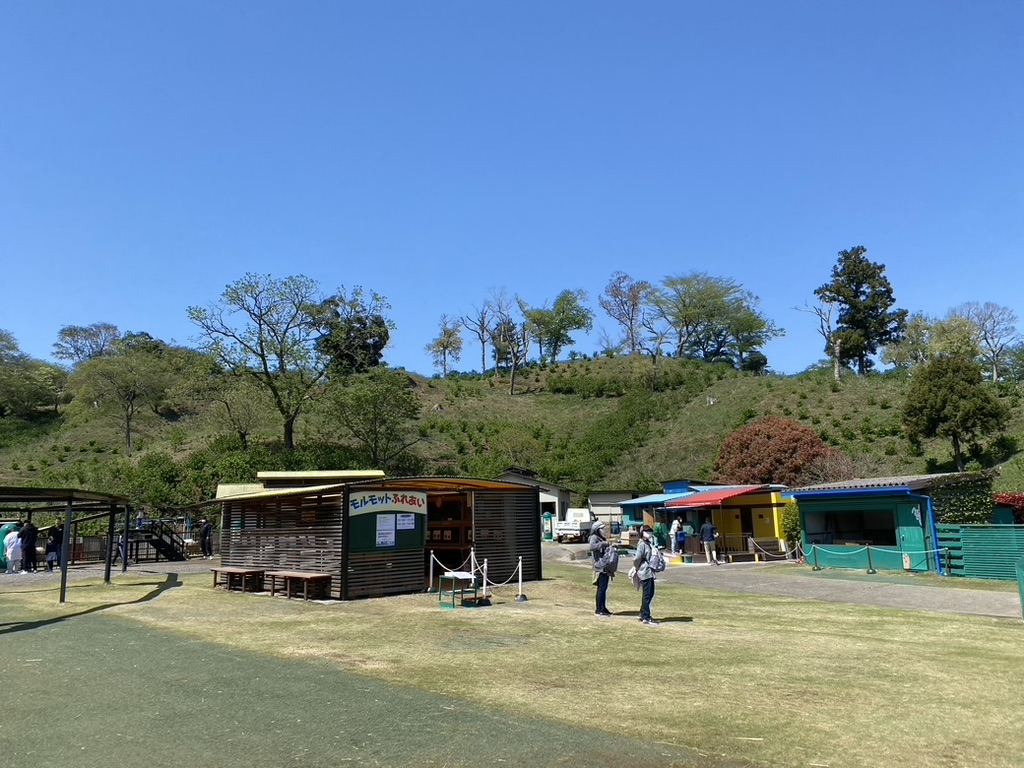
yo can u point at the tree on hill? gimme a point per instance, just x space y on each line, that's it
552 327
478 323
267 329
996 331
866 319
128 380
623 300
775 450
447 346
948 399
27 384
76 343
713 318
377 409
926 338
354 331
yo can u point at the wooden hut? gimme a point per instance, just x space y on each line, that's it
376 536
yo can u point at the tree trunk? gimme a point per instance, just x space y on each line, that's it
835 359
512 379
958 455
289 433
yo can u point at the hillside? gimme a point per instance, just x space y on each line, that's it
588 425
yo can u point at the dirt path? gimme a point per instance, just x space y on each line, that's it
883 590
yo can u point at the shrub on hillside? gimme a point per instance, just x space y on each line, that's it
775 450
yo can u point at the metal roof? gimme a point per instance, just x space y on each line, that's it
901 482
426 484
16 495
444 484
655 498
716 497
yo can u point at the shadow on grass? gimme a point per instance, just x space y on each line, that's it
159 588
659 619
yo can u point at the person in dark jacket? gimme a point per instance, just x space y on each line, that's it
54 544
206 538
709 537
598 547
29 536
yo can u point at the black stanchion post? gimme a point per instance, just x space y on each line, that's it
871 568
814 549
949 563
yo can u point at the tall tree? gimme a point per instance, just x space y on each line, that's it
925 338
126 380
623 300
948 399
447 346
267 329
478 323
77 343
510 339
866 320
552 328
713 318
378 409
997 331
356 331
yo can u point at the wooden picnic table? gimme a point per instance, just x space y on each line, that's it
318 579
239 575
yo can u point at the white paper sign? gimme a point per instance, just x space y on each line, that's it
385 530
406 521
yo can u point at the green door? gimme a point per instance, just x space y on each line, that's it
910 536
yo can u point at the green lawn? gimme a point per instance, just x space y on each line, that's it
201 677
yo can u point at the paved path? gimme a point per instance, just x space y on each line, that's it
884 590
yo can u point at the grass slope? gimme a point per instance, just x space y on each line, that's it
588 425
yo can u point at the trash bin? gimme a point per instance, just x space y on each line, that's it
1020 582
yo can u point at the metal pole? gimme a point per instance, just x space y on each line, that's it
814 551
110 546
948 563
484 596
66 542
871 568
127 540
430 578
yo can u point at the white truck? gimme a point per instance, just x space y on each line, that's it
576 526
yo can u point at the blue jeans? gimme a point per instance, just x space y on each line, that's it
646 596
602 592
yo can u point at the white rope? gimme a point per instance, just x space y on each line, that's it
459 568
508 581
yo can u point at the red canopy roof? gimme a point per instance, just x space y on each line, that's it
714 498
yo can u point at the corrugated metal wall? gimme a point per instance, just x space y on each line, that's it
295 533
505 527
982 551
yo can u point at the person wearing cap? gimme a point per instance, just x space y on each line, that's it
598 547
641 561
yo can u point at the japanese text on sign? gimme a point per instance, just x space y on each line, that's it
387 501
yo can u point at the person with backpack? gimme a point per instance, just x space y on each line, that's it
647 562
606 562
709 537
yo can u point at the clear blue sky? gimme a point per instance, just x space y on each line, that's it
151 153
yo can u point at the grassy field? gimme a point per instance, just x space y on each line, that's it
203 677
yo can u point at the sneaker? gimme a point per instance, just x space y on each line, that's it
650 622
602 613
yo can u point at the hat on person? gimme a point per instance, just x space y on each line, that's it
597 526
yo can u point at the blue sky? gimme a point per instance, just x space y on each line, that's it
151 153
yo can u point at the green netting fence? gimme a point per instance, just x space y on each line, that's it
981 551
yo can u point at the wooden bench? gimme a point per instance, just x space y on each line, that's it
240 576
320 582
458 582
